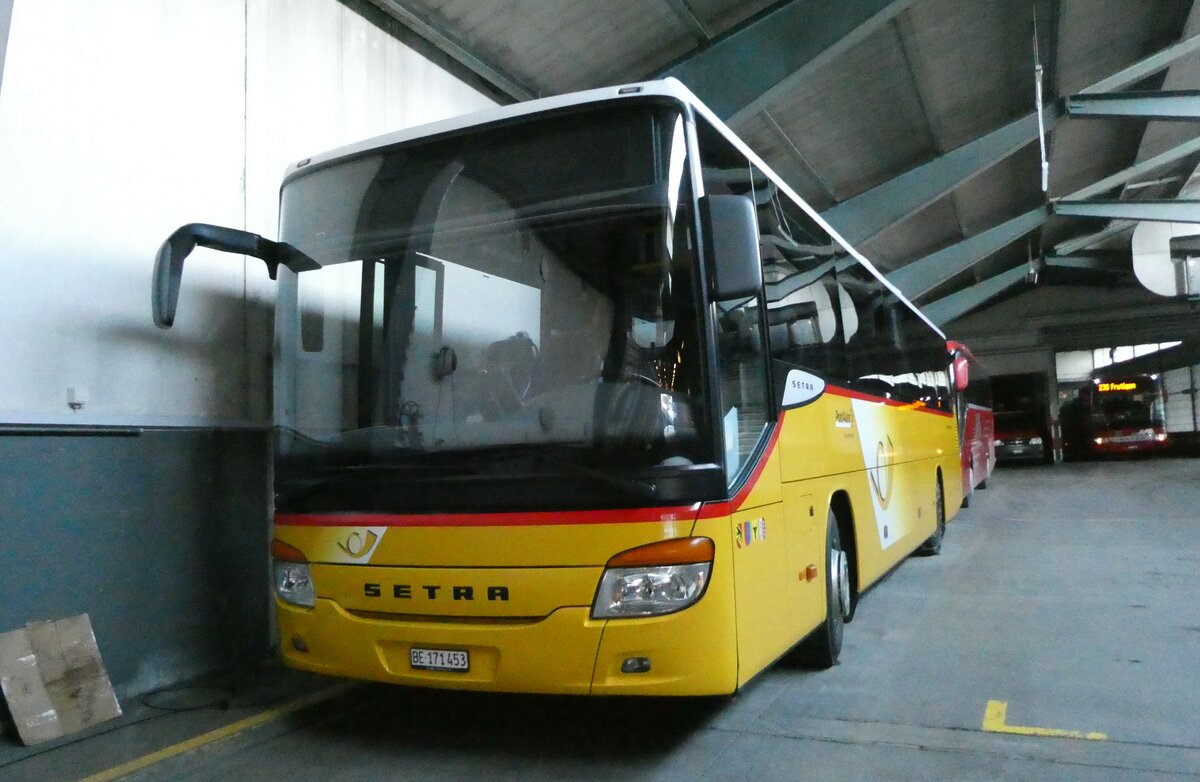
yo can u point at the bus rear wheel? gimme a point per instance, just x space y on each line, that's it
933 545
823 647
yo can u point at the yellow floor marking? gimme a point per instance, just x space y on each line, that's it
994 722
225 732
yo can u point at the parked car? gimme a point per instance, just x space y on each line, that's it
1021 436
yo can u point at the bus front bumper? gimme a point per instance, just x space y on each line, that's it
566 652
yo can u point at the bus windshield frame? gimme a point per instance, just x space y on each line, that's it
583 373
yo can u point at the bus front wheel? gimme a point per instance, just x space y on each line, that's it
822 648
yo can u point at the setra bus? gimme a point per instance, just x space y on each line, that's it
1117 415
976 422
577 396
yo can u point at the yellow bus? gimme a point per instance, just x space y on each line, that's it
578 396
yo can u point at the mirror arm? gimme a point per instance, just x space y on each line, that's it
168 263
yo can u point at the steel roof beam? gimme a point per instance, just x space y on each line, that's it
920 71
1176 105
1169 211
688 16
1072 246
1151 65
506 83
919 277
741 71
956 305
783 138
865 216
1137 171
1100 261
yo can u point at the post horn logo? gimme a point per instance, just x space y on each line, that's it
357 545
882 476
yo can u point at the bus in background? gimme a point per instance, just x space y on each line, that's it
1117 415
576 396
976 425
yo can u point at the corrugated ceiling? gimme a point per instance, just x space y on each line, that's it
936 75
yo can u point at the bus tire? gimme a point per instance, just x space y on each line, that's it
933 545
823 646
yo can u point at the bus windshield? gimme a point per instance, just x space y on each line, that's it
509 304
1130 410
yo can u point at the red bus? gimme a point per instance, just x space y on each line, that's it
1118 415
976 422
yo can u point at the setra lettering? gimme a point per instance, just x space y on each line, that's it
494 593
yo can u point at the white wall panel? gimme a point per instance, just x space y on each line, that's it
1178 384
122 119
96 106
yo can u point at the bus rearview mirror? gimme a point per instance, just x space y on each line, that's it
168 263
731 244
961 373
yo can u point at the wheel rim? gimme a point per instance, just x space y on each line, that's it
841 575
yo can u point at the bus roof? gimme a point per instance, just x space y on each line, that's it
668 88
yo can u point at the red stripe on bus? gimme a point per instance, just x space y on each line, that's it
684 513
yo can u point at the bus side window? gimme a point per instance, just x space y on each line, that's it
892 351
926 357
804 311
804 326
875 358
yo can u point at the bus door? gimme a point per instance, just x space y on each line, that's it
758 532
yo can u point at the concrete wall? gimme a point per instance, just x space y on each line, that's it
148 502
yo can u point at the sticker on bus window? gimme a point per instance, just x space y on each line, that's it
801 387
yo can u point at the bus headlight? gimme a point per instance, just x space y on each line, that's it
1035 441
653 580
293 578
293 584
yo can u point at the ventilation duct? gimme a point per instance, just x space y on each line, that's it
1157 269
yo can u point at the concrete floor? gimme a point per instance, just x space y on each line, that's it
1071 594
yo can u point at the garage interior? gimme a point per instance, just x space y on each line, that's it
1006 165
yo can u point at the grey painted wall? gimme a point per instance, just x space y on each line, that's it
160 537
119 121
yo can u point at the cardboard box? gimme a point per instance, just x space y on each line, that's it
53 679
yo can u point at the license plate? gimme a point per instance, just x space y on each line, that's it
440 660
